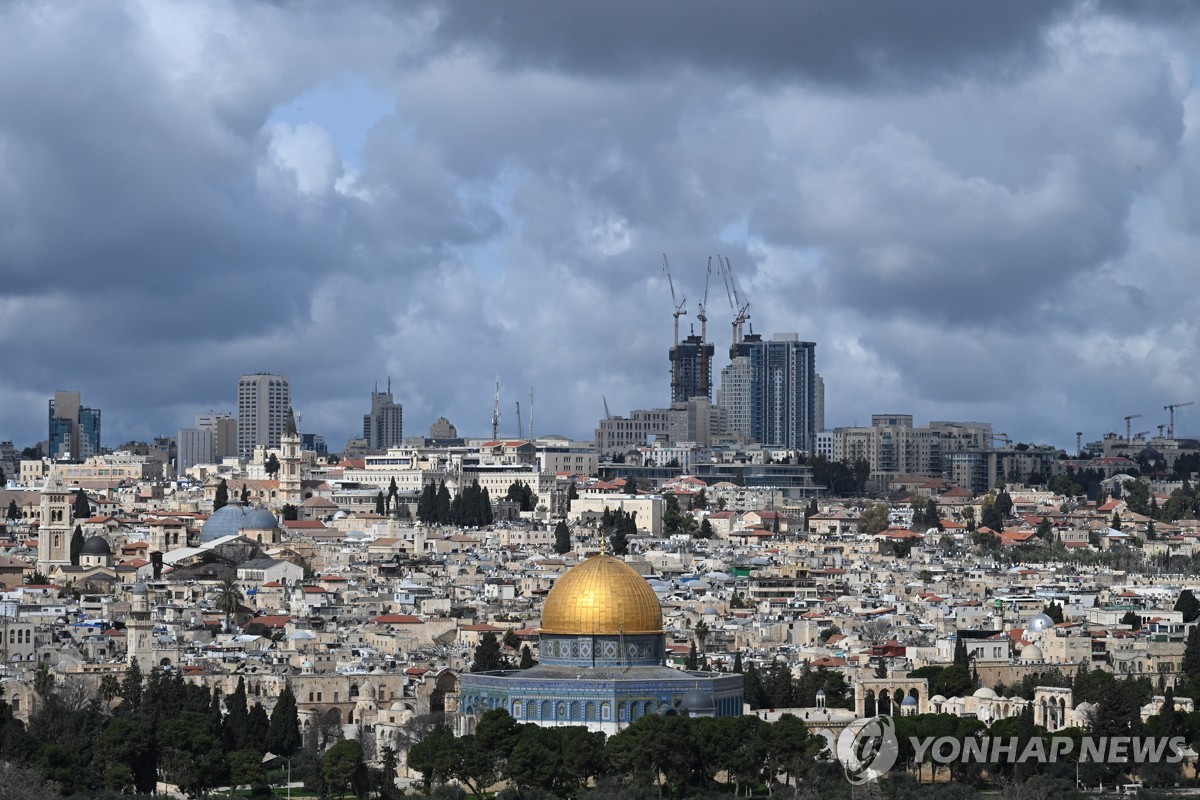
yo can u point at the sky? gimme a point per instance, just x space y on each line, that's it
978 211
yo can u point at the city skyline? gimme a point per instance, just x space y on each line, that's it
988 218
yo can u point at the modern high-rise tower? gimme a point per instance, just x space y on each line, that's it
694 362
74 429
384 426
768 391
782 384
263 404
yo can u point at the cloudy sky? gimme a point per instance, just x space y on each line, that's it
979 211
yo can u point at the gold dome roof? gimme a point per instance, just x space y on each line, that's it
602 595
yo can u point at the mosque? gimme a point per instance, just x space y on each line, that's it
602 665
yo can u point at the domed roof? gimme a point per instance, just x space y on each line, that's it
1040 622
95 546
985 693
698 701
909 701
1031 653
602 595
232 519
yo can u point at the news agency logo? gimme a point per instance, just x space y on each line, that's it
867 749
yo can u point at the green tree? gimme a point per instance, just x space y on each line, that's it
875 520
82 509
526 657
343 768
562 538
283 734
379 504
427 505
245 496
1054 611
235 725
222 498
487 654
1045 530
1188 606
246 769
1132 619
76 545
271 465
442 508
14 513
229 598
433 756
631 484
706 530
393 496
1137 496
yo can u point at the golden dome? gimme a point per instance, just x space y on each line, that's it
602 595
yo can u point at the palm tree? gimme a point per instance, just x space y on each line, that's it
229 598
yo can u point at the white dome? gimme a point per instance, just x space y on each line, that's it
1040 622
1032 653
937 698
985 693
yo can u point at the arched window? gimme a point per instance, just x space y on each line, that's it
547 710
531 710
589 711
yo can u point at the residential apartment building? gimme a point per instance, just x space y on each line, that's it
768 391
74 430
263 404
621 434
383 428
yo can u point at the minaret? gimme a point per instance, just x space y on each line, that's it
140 629
289 463
54 532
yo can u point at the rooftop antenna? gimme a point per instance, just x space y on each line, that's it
496 413
520 431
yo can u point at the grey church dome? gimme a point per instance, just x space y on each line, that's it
95 546
234 518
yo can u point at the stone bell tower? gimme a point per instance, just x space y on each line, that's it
54 532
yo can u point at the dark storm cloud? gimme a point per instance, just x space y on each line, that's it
838 43
971 207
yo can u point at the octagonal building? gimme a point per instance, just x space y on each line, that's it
602 664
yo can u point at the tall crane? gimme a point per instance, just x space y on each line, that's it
531 413
741 311
1129 427
1171 408
496 413
1004 437
520 430
702 315
676 378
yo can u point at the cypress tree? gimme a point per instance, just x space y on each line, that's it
82 509
236 722
526 657
379 503
283 733
76 545
441 512
258 726
562 538
222 498
737 662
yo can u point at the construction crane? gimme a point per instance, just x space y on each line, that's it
520 431
702 315
496 413
676 378
741 311
607 415
1140 434
1160 430
1004 437
1129 427
531 413
1171 408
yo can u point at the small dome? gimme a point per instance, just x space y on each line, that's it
95 546
1031 653
985 693
937 698
820 692
1040 622
602 595
909 701
698 701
